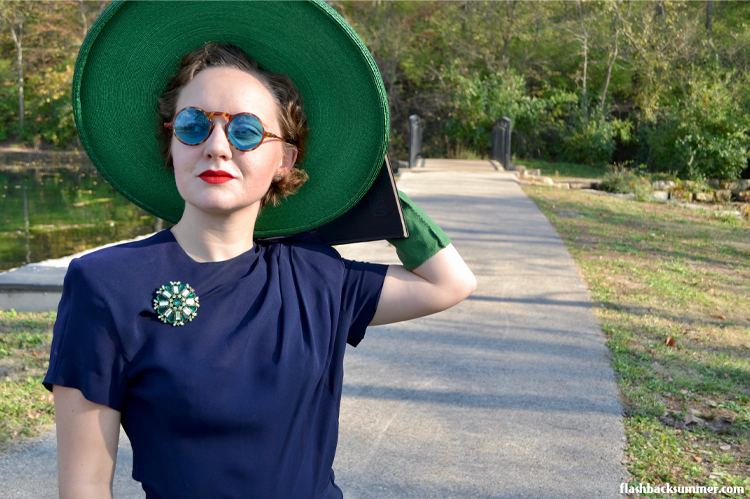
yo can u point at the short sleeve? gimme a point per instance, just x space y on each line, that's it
363 283
85 354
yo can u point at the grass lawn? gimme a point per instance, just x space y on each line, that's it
26 408
563 170
671 290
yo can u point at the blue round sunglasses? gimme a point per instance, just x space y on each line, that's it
244 131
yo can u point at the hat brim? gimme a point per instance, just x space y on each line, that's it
134 47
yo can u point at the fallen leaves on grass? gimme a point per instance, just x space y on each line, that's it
653 296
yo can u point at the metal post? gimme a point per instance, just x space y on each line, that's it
415 140
501 142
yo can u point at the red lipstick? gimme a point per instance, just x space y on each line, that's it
216 176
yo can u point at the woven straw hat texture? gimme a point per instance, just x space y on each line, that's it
134 47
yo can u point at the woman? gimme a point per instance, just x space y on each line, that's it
221 355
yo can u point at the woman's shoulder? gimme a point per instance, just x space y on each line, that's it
301 261
112 258
304 247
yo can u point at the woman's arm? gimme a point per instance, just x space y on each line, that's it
439 283
87 437
433 277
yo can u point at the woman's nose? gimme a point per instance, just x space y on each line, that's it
217 144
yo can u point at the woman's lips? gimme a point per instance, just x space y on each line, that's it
216 176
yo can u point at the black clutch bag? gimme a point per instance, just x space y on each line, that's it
376 216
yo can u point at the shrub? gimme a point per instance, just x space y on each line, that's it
591 139
550 124
705 133
698 184
480 100
534 133
47 105
49 100
8 99
623 180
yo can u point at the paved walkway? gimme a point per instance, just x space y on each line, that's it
508 395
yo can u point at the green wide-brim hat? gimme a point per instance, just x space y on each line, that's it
134 47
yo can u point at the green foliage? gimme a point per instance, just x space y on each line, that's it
695 186
576 78
538 138
479 100
50 101
549 125
590 139
8 100
704 133
47 35
526 61
620 179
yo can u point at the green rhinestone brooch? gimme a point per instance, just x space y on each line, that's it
176 303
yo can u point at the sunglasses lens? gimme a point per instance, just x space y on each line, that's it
245 132
191 126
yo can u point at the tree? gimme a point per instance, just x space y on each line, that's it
43 39
615 8
662 42
574 75
14 15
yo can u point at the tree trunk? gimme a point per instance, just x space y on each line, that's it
16 32
83 16
508 33
536 34
19 61
585 74
709 10
585 47
612 60
660 9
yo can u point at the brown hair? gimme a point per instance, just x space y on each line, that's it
289 105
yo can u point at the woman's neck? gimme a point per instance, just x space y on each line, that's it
214 238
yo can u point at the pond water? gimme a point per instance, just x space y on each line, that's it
69 209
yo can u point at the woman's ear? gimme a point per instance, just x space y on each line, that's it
290 157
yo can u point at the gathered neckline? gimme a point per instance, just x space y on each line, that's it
252 252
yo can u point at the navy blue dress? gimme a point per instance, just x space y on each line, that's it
243 401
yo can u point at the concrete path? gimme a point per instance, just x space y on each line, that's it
508 395
30 472
37 287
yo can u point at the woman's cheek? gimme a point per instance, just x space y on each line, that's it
182 173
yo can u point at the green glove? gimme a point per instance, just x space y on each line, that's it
425 237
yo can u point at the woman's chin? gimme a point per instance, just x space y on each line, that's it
221 207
